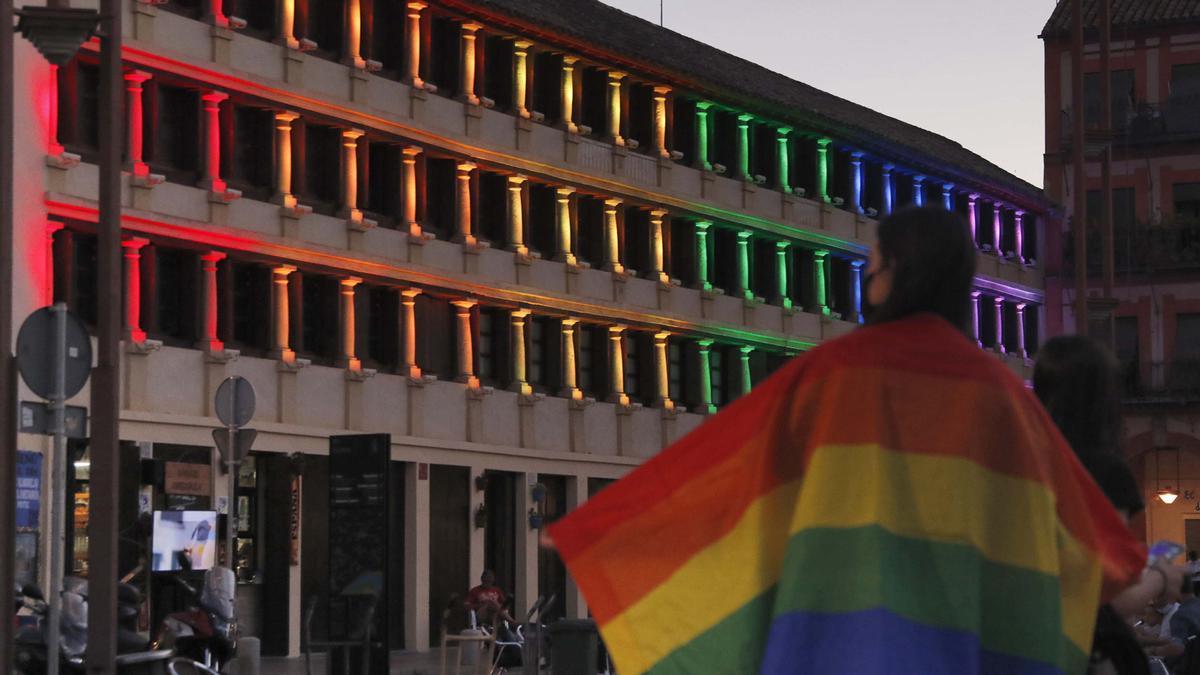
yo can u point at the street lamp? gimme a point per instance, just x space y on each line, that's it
57 32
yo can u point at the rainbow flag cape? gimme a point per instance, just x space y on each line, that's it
894 501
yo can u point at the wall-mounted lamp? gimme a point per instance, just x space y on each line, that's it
481 517
535 519
481 482
537 492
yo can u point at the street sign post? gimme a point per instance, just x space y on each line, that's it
54 355
234 404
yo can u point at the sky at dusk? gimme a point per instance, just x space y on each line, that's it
970 70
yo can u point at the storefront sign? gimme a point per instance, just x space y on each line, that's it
187 479
29 489
294 526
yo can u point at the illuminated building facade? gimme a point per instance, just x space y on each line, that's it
1155 82
534 242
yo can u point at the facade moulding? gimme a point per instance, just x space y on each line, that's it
558 173
405 274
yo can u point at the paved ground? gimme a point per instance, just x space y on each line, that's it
402 663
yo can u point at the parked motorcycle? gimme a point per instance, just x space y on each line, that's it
33 654
207 631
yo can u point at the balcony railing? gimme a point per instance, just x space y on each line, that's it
1142 123
1141 249
1170 382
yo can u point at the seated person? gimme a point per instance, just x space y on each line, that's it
487 600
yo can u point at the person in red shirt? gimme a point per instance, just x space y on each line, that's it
486 599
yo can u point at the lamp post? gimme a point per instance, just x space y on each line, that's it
57 32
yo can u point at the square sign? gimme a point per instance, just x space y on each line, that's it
29 489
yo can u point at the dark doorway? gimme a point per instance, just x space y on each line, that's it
499 549
314 538
552 574
449 540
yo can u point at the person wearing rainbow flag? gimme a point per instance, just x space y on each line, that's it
894 501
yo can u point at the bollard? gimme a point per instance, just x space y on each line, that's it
249 656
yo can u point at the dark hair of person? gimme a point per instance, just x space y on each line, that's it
932 259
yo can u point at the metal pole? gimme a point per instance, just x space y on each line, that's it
58 484
1079 216
8 364
1106 201
230 468
105 446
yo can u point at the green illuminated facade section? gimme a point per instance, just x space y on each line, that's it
703 278
782 152
744 357
820 296
743 146
823 169
702 135
706 404
743 264
781 273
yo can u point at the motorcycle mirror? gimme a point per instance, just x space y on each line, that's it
32 591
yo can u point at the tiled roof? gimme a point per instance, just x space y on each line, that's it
1125 14
612 34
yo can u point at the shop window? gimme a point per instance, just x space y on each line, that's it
498 71
175 147
249 328
446 48
320 320
541 220
251 162
491 216
174 294
440 193
79 108
492 353
437 333
322 167
547 85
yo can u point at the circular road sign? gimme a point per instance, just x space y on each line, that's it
35 353
235 401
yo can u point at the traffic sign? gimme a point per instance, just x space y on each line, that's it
36 347
235 401
37 418
243 439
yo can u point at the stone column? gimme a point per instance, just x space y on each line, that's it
657 259
408 304
467 72
516 215
283 159
281 349
287 24
616 365
562 223
347 358
133 288
856 187
743 265
413 69
612 244
462 204
662 382
520 378
948 196
660 121
706 406
353 48
889 189
973 216
614 107
820 296
783 296
521 77
1021 349
212 300
919 190
701 161
856 268
823 169
568 93
466 354
997 227
742 170
1019 234
570 388
975 318
134 135
783 178
215 13
350 208
703 280
211 101
408 175
999 304
744 353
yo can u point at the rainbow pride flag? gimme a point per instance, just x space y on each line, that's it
895 501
